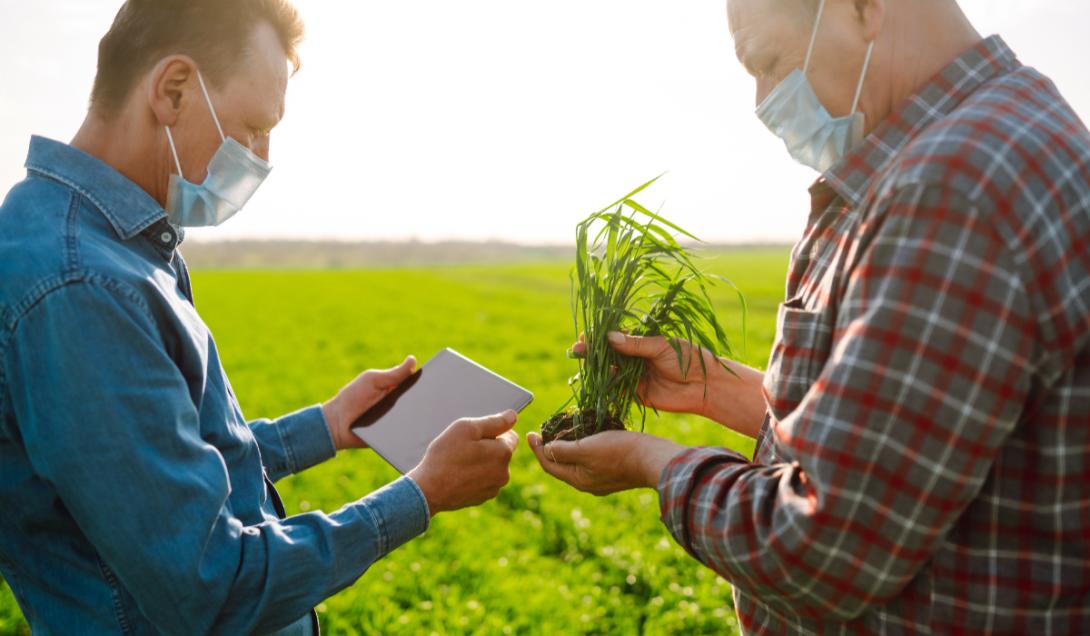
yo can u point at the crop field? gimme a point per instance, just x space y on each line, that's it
542 558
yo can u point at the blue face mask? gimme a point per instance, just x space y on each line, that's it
793 112
234 175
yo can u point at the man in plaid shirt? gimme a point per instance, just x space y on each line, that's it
923 428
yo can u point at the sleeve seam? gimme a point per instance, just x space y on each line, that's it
292 466
54 285
376 519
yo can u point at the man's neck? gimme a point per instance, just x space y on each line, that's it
929 36
123 148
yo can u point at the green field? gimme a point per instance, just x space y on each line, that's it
542 558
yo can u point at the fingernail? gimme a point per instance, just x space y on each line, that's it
510 416
616 337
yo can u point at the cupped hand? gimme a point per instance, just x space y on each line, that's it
468 463
359 395
608 462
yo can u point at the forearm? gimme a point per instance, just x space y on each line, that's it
761 529
288 566
293 443
736 400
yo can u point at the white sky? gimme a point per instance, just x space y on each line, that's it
505 119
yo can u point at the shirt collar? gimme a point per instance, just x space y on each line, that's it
128 208
851 177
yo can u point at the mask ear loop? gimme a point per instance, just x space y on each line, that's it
174 151
212 110
219 129
813 38
862 76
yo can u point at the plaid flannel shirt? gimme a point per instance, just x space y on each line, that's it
924 465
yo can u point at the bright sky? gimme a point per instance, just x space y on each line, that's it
504 119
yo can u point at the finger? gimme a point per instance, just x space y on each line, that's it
510 439
637 346
564 452
562 472
578 350
537 445
390 378
493 426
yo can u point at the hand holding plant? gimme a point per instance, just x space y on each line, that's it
633 275
666 384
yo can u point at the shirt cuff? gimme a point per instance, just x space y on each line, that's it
306 438
400 513
679 482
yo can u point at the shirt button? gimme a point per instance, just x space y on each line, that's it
166 237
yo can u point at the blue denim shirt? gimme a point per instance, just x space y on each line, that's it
136 498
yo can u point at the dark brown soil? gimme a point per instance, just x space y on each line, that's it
562 426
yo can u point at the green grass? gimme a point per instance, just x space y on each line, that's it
542 558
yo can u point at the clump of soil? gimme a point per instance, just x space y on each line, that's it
571 426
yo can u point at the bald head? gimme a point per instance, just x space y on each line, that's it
913 41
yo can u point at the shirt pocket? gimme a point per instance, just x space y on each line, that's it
802 347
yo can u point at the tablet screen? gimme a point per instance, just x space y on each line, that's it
447 388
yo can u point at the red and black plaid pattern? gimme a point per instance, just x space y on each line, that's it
924 466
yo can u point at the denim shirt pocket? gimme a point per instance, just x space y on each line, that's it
802 347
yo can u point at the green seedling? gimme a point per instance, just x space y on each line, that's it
632 274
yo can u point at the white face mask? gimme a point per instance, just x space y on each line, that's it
793 112
234 175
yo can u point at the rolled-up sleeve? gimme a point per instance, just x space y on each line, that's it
933 357
294 443
121 444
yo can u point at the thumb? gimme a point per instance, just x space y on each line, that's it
563 452
391 378
637 346
493 426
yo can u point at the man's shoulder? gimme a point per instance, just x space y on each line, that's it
33 220
1011 143
50 237
1014 152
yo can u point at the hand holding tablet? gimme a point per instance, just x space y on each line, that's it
448 426
449 387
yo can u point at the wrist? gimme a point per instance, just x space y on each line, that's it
716 388
735 399
427 488
656 455
332 422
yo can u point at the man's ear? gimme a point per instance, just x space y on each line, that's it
169 85
872 15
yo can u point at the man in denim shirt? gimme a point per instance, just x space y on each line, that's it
136 497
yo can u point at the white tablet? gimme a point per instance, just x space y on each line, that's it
449 387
